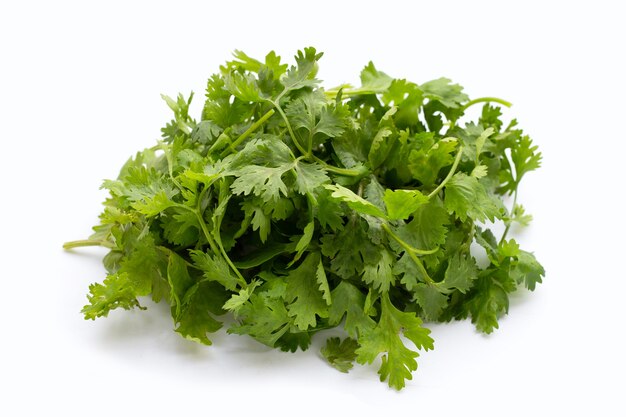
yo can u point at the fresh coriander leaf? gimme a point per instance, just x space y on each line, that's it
442 90
426 165
214 268
467 197
116 291
340 354
430 298
356 203
402 203
307 292
398 360
348 301
379 274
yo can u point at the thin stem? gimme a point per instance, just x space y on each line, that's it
485 100
470 238
293 136
412 254
202 223
233 146
212 242
170 164
87 242
410 250
347 93
341 171
508 226
219 251
450 174
405 245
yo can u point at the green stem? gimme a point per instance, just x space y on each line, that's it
412 253
216 247
293 135
470 238
170 164
405 245
87 242
233 146
347 93
485 100
202 223
217 250
508 226
341 171
450 174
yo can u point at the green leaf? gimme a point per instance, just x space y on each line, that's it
487 302
398 361
460 273
441 90
309 177
402 203
242 86
467 197
305 240
195 319
263 317
265 182
373 80
348 250
311 113
525 157
408 99
381 146
348 301
428 228
214 268
143 189
180 281
116 291
379 274
181 227
340 354
528 270
146 269
430 298
260 220
426 165
306 289
235 302
353 201
302 75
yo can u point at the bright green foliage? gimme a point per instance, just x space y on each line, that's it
340 353
295 209
307 292
402 203
398 360
467 197
116 291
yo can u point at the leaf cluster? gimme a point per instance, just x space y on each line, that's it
296 209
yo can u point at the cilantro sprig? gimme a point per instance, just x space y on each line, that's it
297 209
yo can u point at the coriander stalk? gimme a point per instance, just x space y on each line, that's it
485 100
411 251
450 173
233 146
87 242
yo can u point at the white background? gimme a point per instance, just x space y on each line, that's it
79 93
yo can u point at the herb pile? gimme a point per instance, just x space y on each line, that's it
298 209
